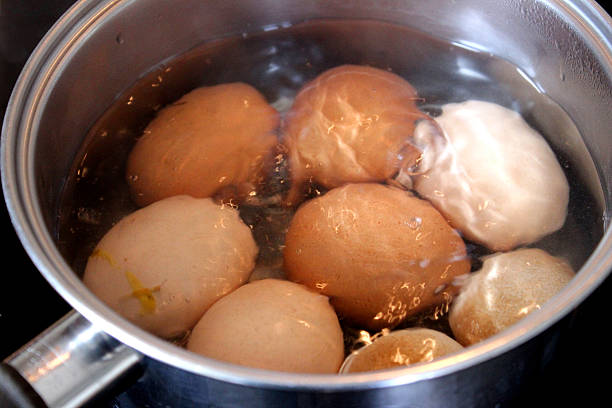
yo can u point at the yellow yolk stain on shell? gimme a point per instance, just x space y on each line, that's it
143 294
98 253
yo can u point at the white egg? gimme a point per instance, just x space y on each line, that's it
162 266
495 178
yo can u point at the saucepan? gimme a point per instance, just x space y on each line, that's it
98 50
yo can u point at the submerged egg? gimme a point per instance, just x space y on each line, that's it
495 178
163 265
507 288
272 324
399 349
213 138
350 124
378 252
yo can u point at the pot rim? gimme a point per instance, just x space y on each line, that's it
20 195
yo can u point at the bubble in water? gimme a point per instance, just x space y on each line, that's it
414 223
89 216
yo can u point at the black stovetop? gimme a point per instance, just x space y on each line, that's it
577 375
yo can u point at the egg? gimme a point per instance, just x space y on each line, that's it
272 324
508 287
163 265
495 178
400 348
378 252
350 124
213 139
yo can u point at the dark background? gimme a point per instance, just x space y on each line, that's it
579 373
27 302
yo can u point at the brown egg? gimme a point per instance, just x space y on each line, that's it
507 288
272 324
162 266
399 349
213 138
350 124
379 253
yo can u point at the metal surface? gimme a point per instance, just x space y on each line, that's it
99 48
72 362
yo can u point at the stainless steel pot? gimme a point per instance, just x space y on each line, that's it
98 48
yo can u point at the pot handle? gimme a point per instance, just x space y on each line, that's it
68 365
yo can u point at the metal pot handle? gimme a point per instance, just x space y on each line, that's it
69 364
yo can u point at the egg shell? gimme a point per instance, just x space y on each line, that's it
350 124
378 252
400 348
272 324
508 287
212 139
163 265
495 178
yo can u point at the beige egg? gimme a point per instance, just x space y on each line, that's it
495 178
213 139
378 252
399 349
272 324
507 288
350 124
163 265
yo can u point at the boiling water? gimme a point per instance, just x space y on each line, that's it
278 63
